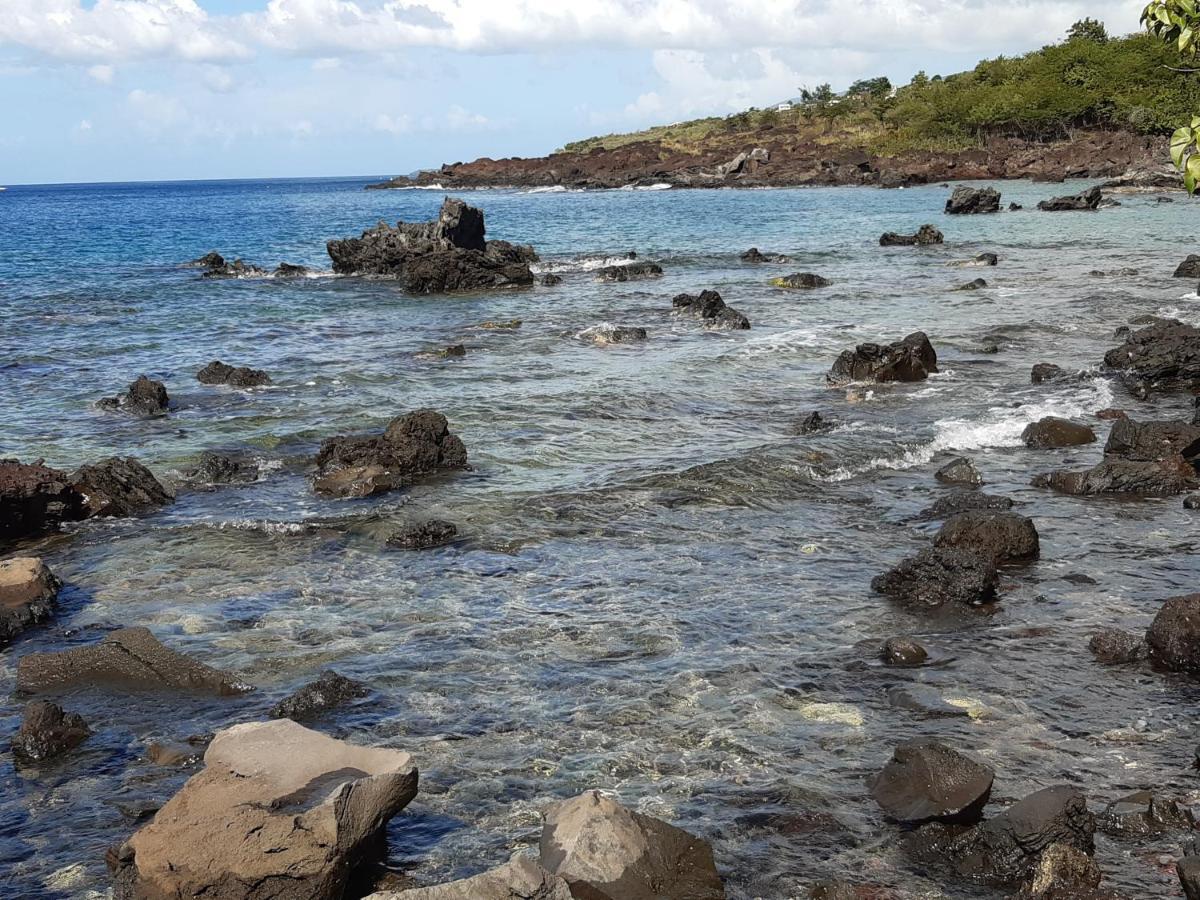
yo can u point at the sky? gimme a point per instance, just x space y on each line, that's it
130 90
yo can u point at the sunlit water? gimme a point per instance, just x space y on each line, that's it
660 588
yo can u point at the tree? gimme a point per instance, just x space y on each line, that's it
1178 22
876 88
1088 30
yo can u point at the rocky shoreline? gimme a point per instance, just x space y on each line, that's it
1135 162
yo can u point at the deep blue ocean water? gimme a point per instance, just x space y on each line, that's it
661 590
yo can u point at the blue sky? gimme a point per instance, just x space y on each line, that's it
103 90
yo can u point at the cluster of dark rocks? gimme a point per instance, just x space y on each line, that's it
923 236
214 265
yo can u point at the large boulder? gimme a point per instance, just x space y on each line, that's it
521 878
48 731
217 372
144 397
926 781
926 234
1174 635
635 271
1189 268
1053 432
448 254
910 359
1113 646
1086 200
939 578
966 200
329 691
415 444
1043 372
607 852
711 309
1001 536
27 593
34 499
1165 355
130 658
119 486
962 501
278 811
1119 476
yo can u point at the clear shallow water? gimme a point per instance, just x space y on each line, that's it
660 588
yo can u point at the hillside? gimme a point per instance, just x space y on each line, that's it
1089 106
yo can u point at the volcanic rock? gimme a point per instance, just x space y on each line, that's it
754 256
966 200
48 731
119 486
423 536
1143 814
926 781
901 651
27 593
938 578
217 372
926 234
709 307
801 280
1174 635
814 423
1112 646
606 334
959 471
1002 536
35 499
962 501
1087 200
910 359
1164 355
629 272
329 691
221 468
144 397
1189 268
1052 433
1046 372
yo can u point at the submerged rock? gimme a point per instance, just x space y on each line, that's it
1086 200
130 658
926 781
754 256
1112 646
221 468
48 731
629 272
423 536
120 487
449 254
977 284
415 444
1174 635
144 397
28 590
709 307
901 651
217 372
35 498
607 852
1164 355
1052 433
1002 536
550 279
329 691
805 280
910 359
962 501
606 334
216 266
966 200
926 234
814 423
1142 814
278 811
959 471
938 578
1043 372
290 270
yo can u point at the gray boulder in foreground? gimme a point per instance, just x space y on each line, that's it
278 812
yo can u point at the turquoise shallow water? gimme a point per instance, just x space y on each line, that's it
660 588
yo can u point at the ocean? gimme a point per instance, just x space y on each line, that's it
659 588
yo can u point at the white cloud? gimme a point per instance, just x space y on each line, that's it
155 113
218 79
392 124
461 119
326 64
102 74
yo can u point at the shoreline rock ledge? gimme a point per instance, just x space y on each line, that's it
278 811
447 255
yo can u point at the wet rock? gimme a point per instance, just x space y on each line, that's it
910 359
709 307
1064 873
814 423
987 259
449 254
1163 441
1174 635
216 266
329 691
48 731
926 781
1143 814
806 280
966 200
1191 501
975 285
521 878
423 536
1164 354
130 658
959 471
120 487
34 499
924 235
1113 273
290 270
1112 646
754 256
415 444
629 272
510 325
1086 200
1043 372
217 372
607 334
1052 433
1189 268
456 351
550 279
221 468
28 590
144 397
1014 206
962 501
278 811
607 852
938 578
925 701
1009 847
1188 870
210 260
1001 536
1109 414
1119 477
902 651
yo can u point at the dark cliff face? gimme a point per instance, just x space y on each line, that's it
776 158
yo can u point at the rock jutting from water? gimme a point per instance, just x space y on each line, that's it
1043 372
801 280
925 235
961 501
35 499
1173 638
635 271
217 372
447 255
424 535
329 691
1144 814
926 781
975 285
216 266
1112 646
1000 536
215 468
959 471
1086 200
910 359
940 578
278 811
606 334
414 444
753 255
28 590
1189 268
1053 433
711 309
1164 355
966 200
48 731
119 487
144 397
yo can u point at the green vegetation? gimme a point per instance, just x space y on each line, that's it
1177 23
1089 80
